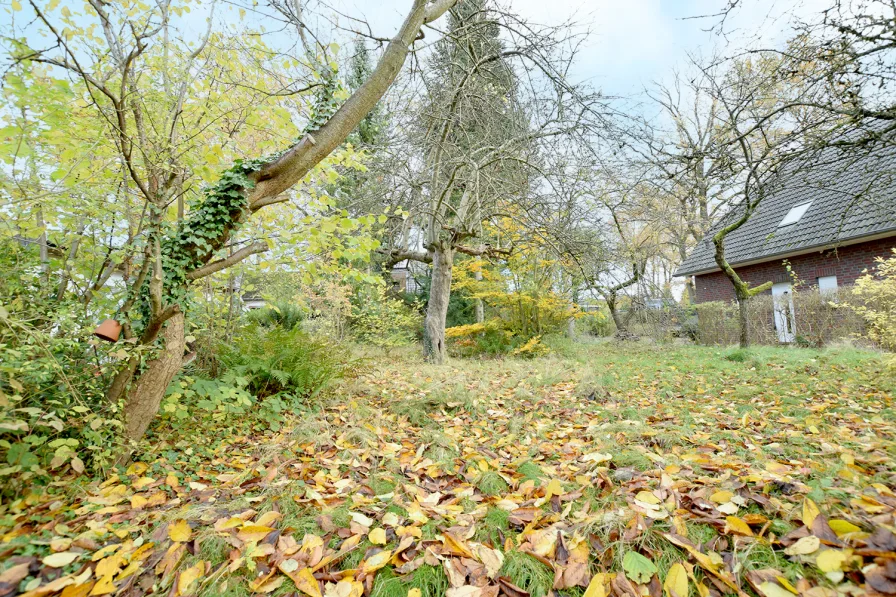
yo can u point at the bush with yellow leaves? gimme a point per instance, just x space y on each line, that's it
877 292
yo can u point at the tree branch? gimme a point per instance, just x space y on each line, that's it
216 266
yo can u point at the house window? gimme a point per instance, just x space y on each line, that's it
796 212
827 284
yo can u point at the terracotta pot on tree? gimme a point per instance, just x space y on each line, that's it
109 330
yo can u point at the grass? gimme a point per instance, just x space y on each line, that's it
431 581
528 573
491 483
406 432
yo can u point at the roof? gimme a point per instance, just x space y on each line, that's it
852 195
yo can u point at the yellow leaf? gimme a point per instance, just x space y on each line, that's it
60 560
810 511
597 586
253 532
843 527
102 553
415 592
553 488
189 576
831 560
647 497
377 536
304 581
109 566
786 584
78 590
16 5
676 584
267 518
180 531
376 561
804 546
770 589
103 586
269 586
736 526
711 562
721 497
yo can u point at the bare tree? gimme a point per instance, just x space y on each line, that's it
492 109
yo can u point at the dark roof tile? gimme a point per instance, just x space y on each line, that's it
853 196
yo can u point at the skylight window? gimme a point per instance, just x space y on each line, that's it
793 216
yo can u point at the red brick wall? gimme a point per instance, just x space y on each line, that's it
846 263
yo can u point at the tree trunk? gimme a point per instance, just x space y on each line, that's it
434 347
691 288
571 328
621 328
480 306
146 395
743 321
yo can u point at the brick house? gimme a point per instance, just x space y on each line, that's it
828 221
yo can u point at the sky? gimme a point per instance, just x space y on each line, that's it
633 42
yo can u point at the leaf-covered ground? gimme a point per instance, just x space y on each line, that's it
606 470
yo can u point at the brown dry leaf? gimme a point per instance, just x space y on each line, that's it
12 576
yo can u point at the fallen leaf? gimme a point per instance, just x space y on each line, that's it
377 536
676 583
637 567
189 576
804 546
180 531
61 559
735 525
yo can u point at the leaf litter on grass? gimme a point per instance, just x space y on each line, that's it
676 481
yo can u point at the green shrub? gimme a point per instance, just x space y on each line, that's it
53 414
381 320
596 323
284 315
220 399
278 361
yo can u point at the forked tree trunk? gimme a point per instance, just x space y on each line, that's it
145 396
434 347
617 318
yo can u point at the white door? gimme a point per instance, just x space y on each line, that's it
784 322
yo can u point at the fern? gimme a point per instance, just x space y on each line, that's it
284 361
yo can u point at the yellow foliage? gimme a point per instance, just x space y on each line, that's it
471 329
878 308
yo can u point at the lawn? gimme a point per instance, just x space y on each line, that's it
600 469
